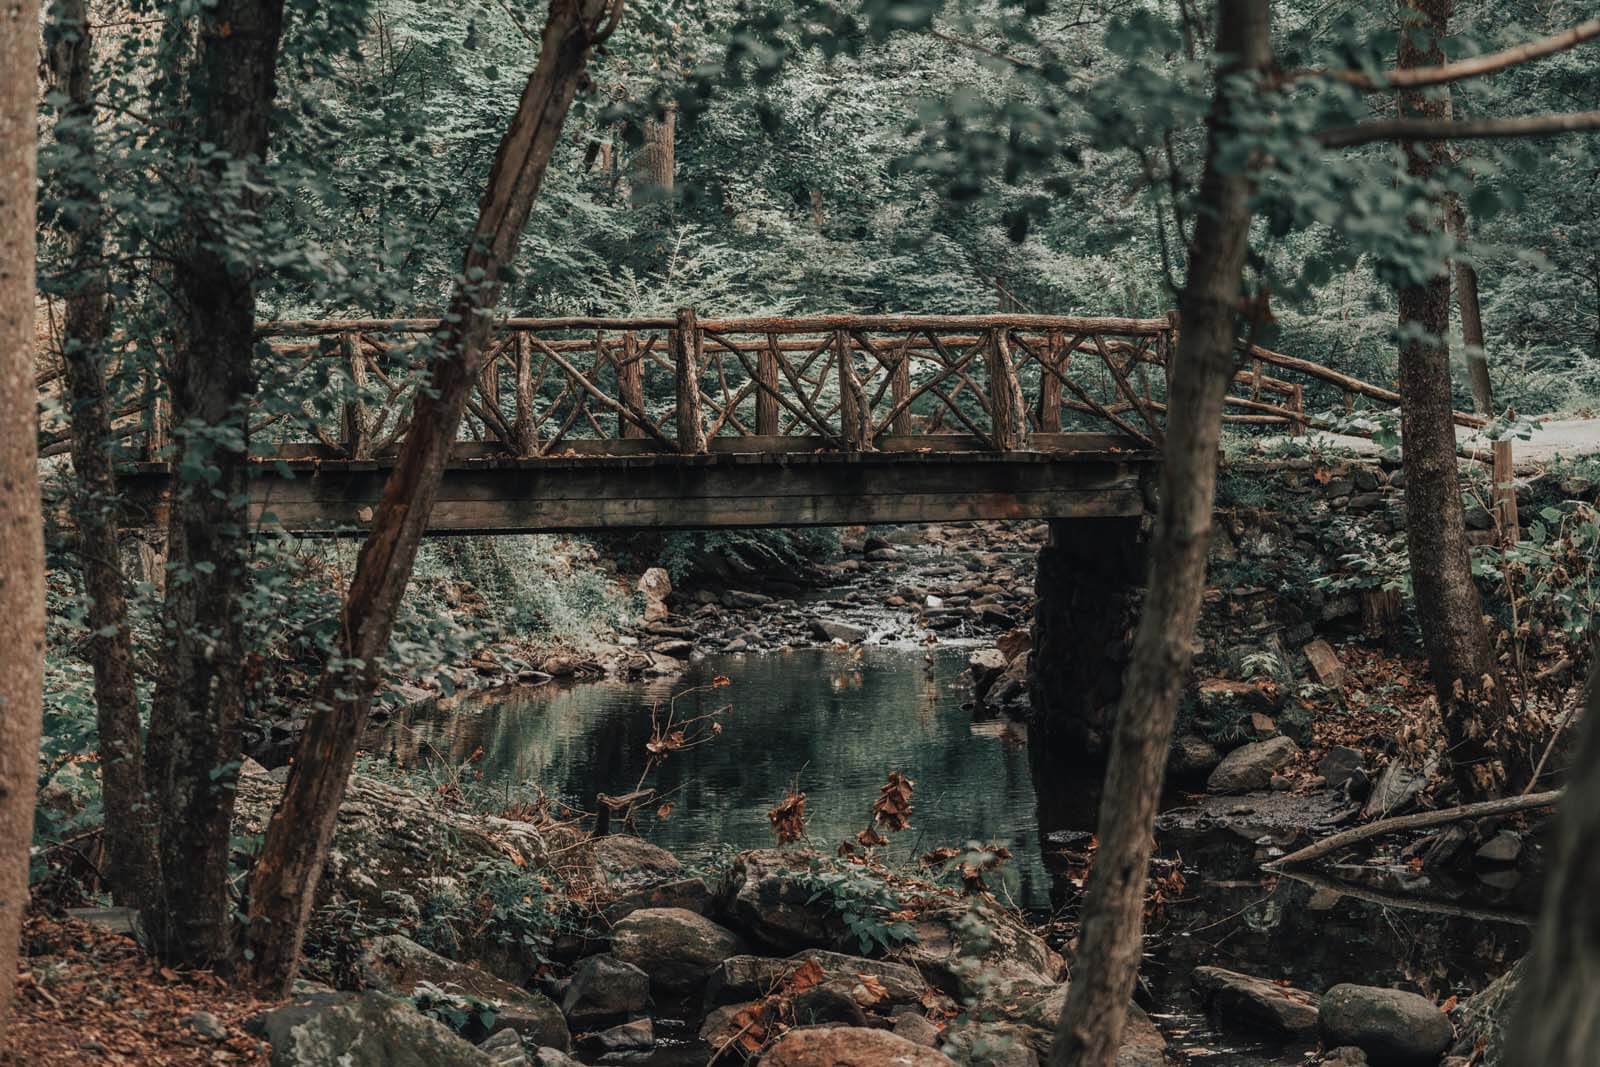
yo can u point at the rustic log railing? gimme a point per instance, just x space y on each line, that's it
690 385
686 385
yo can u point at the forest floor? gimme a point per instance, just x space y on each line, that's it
88 995
1556 437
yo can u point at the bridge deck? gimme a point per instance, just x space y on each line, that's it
1059 476
682 422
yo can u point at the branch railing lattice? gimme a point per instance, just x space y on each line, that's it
687 385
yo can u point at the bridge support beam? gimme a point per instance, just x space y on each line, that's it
1086 604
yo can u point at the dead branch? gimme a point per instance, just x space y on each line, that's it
1421 820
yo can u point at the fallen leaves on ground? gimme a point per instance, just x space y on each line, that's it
89 996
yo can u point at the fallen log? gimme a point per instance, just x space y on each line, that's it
1421 820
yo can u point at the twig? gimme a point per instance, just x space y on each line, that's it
1503 806
1555 735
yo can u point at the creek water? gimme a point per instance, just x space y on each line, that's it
834 724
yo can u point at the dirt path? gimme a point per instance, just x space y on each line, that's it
1555 438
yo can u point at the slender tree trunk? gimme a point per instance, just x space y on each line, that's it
1471 698
21 521
129 840
194 746
1111 943
1558 1015
1471 319
284 883
655 163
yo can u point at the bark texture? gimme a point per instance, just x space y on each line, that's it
1472 700
1557 1021
21 522
654 165
129 836
284 883
1111 942
192 760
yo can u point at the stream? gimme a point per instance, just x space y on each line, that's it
834 722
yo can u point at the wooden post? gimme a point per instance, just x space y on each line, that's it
527 443
1049 415
1297 427
688 349
357 439
1008 417
852 404
1504 494
767 375
630 385
899 389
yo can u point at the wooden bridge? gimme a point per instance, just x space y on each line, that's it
592 423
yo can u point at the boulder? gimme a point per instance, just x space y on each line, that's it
979 951
985 666
505 1049
990 1044
1142 1042
1397 786
371 1030
636 1036
655 586
397 965
674 946
1394 1028
767 900
1340 764
1484 1019
743 978
1252 766
690 893
833 630
916 1029
1240 1000
624 862
1012 684
553 1057
1192 757
604 989
389 842
1503 847
1034 1010
850 1046
1015 643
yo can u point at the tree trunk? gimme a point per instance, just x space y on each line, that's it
284 883
1471 320
1472 700
129 841
1111 942
1557 1020
655 163
21 521
193 754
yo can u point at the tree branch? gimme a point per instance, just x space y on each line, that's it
1420 77
1443 130
1419 821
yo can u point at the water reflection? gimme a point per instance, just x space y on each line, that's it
832 722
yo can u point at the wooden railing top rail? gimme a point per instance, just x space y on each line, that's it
756 324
